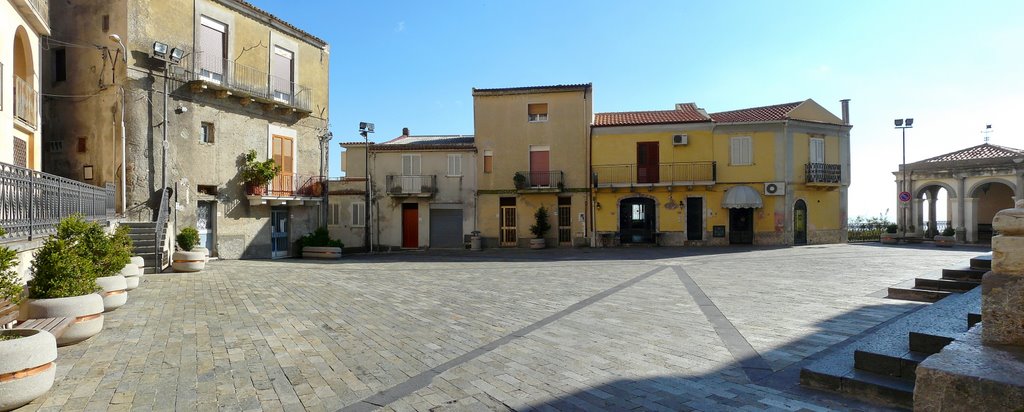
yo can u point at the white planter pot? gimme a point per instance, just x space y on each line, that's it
132 282
32 357
115 291
191 261
321 252
537 244
87 311
140 262
204 251
131 275
944 241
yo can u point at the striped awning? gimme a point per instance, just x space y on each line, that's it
741 197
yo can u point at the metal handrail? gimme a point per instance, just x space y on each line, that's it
161 223
537 180
33 202
244 80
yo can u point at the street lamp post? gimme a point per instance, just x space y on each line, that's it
325 147
364 130
169 57
124 179
904 124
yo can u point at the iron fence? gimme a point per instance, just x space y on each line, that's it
243 80
33 202
864 232
288 185
675 172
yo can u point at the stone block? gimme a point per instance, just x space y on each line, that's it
1008 255
1002 307
970 376
1010 221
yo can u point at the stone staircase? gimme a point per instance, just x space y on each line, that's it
880 365
143 236
953 280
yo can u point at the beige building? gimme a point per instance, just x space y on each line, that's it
24 23
533 150
422 192
174 95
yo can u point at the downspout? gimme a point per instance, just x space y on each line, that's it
124 162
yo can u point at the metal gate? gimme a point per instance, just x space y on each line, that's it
564 224
446 228
508 226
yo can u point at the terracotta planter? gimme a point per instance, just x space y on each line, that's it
321 252
188 261
87 310
945 241
131 275
537 244
255 190
114 293
27 365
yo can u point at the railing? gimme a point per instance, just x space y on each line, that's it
411 185
297 185
42 7
25 101
538 180
32 202
243 80
161 224
864 232
823 173
674 173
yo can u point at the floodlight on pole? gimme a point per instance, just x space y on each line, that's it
904 124
364 130
176 55
160 49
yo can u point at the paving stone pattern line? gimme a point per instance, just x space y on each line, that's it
753 365
423 379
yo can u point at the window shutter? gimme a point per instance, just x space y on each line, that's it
817 151
211 46
748 150
454 165
281 71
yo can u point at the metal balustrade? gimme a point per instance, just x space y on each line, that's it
669 173
411 185
33 202
242 80
823 173
292 185
538 180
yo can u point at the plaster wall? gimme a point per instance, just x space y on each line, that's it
17 28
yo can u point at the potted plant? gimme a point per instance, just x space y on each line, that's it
64 283
539 228
519 179
131 270
319 245
475 242
947 238
186 259
257 174
26 355
109 258
889 237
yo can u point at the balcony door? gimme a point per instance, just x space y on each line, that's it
213 37
412 179
284 156
647 162
540 166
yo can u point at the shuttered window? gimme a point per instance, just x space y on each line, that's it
283 155
358 214
454 164
282 74
538 112
411 164
817 150
741 151
488 160
212 49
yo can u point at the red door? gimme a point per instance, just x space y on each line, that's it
410 225
647 162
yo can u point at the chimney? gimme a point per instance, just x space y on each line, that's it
405 131
846 110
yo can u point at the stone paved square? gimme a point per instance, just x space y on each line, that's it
584 329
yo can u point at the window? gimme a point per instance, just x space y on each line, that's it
60 65
817 150
206 132
209 190
359 214
488 160
454 165
212 49
741 151
538 112
411 164
282 73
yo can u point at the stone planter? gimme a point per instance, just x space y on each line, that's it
537 244
890 238
131 275
140 262
114 293
87 310
27 366
204 251
321 252
188 261
944 241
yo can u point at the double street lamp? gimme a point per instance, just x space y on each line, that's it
904 124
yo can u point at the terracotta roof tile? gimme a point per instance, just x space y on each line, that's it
683 113
258 10
982 151
756 114
533 89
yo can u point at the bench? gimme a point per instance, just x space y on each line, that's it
9 315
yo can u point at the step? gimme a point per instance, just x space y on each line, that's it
973 319
862 385
982 262
946 285
896 366
917 295
963 273
138 224
930 344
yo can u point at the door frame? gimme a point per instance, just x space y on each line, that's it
799 236
689 207
274 213
411 230
648 234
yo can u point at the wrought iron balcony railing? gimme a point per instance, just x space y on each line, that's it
33 202
26 101
678 173
823 173
411 185
538 180
245 81
36 13
290 185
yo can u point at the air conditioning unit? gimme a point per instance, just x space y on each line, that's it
775 188
680 139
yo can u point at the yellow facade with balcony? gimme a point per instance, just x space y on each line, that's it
773 175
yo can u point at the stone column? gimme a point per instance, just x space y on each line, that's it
1002 292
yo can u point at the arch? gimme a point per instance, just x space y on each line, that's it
800 222
922 187
973 191
24 66
638 216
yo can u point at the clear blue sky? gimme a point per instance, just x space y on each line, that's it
954 66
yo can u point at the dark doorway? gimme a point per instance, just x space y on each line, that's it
636 220
800 223
410 225
694 218
647 162
741 226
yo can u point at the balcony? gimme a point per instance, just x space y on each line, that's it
228 78
666 174
25 102
547 181
33 202
37 13
287 189
411 185
823 174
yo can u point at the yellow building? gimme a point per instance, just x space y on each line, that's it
773 175
532 145
24 23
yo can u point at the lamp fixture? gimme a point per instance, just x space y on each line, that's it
160 49
681 204
366 127
597 205
176 55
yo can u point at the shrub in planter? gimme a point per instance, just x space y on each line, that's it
123 242
109 257
186 259
257 174
946 239
64 283
319 245
948 231
10 285
539 228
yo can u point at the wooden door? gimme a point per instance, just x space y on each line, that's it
540 175
647 162
410 225
283 155
694 218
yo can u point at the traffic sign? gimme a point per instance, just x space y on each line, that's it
905 197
